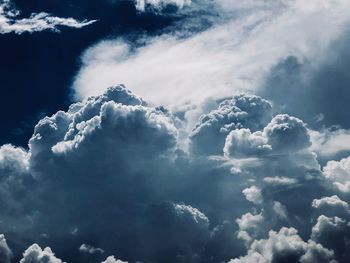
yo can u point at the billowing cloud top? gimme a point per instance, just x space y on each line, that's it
120 178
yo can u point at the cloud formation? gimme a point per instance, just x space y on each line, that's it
159 5
235 53
11 23
118 176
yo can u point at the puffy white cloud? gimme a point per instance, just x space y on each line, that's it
13 160
329 143
249 226
9 21
34 254
287 133
142 5
285 246
243 111
338 172
5 251
253 194
331 205
111 259
243 143
284 134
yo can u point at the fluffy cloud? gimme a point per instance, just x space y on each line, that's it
9 21
142 5
111 259
34 254
209 135
253 194
285 246
114 172
338 172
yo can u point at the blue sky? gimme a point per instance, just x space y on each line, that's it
174 131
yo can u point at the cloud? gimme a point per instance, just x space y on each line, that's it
338 172
34 254
331 143
115 173
5 251
142 5
84 248
283 246
209 135
253 194
111 259
10 23
233 55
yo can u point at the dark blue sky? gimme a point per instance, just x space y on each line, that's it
37 69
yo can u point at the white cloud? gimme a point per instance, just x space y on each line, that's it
338 172
142 5
327 143
34 254
111 259
5 251
85 248
9 21
230 57
253 194
285 245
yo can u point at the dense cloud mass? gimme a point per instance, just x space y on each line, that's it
115 179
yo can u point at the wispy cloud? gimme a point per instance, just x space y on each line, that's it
232 56
10 23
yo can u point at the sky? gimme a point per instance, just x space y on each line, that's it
174 131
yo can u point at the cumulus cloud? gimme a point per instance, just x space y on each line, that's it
285 246
111 259
159 5
242 111
253 194
338 172
113 175
11 23
34 254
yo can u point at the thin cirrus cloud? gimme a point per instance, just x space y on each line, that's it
233 55
10 23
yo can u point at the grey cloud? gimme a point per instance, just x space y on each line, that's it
285 246
333 233
315 87
111 172
331 206
241 111
5 251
